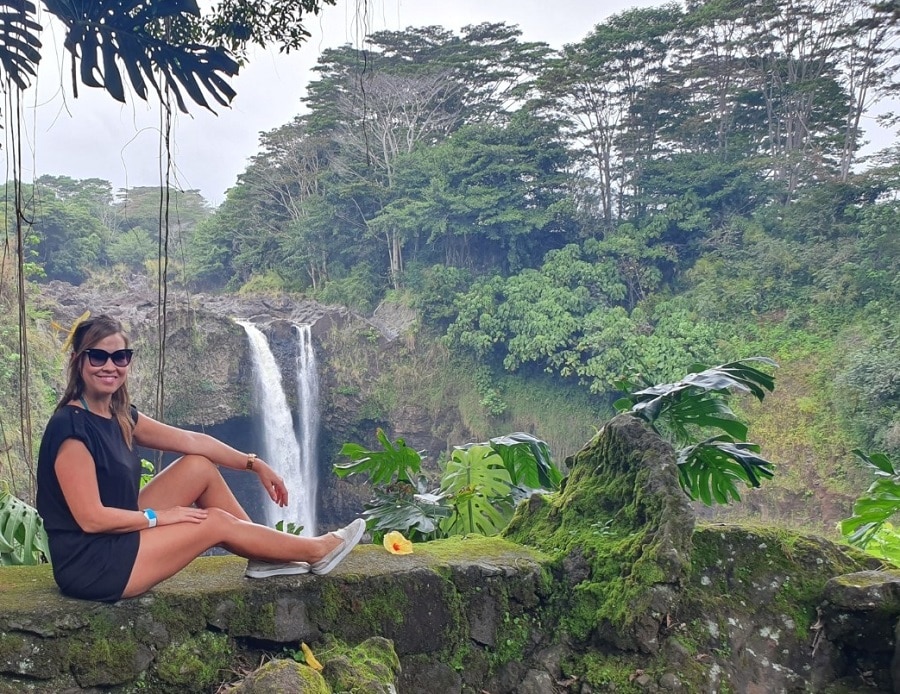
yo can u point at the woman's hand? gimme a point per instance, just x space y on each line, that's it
271 482
180 514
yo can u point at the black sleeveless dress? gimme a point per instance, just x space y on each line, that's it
90 566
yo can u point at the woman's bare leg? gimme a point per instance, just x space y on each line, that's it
192 479
165 550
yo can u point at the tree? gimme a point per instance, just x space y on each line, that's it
487 195
413 90
600 84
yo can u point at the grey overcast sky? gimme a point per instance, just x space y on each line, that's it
95 136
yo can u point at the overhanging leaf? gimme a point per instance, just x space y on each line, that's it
872 510
19 42
104 34
709 470
879 462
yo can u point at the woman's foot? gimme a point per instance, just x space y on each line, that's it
348 536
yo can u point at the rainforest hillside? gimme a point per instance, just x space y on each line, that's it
683 185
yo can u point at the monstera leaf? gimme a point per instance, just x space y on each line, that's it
396 462
23 539
709 470
697 398
19 43
479 486
880 502
150 40
527 460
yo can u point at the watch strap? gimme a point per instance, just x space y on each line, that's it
150 515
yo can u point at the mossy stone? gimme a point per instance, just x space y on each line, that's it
281 676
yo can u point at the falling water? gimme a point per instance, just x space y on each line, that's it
280 448
308 424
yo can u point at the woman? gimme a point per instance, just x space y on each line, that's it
110 540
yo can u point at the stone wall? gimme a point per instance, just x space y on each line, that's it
609 587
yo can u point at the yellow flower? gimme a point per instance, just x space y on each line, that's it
310 658
395 543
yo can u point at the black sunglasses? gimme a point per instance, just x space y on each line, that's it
99 357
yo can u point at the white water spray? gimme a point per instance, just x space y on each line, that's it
308 424
280 447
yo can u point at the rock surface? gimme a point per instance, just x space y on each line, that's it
608 587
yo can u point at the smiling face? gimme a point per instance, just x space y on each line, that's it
102 381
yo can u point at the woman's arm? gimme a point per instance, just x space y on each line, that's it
162 437
77 477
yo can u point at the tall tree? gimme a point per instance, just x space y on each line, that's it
602 84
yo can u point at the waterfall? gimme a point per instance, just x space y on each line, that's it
308 422
280 447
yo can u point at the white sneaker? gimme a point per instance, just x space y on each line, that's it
349 535
264 569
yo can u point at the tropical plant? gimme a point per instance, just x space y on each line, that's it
148 470
479 487
23 540
872 509
708 468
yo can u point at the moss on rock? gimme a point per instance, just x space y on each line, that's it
618 534
371 667
283 675
197 663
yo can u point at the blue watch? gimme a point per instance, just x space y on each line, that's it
150 514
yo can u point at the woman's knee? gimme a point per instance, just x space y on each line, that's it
220 517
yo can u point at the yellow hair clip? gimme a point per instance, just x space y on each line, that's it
71 335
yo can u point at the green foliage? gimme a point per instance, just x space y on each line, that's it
196 663
479 485
408 508
568 317
867 382
292 527
879 503
884 543
269 282
359 289
707 469
148 471
23 540
396 462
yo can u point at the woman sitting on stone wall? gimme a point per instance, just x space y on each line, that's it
111 540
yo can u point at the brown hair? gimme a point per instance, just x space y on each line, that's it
87 334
